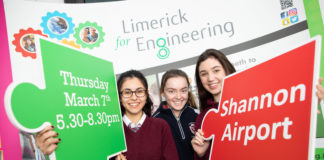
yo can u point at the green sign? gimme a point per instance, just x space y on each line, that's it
316 27
79 99
319 154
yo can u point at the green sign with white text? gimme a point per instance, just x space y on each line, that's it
79 98
316 27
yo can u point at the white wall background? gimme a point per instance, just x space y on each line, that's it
51 1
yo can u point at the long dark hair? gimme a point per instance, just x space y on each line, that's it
178 73
135 74
203 94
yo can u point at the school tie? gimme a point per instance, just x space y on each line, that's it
134 129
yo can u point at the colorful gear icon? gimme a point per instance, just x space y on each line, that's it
57 25
87 43
17 42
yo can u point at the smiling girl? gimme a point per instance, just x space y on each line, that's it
177 110
211 68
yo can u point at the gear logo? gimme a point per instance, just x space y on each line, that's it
57 25
25 42
89 35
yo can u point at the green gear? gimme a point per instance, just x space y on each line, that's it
89 45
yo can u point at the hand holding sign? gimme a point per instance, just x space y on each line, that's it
79 99
268 107
320 89
47 140
199 145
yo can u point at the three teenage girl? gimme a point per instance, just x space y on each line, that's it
170 138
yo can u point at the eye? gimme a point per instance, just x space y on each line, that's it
140 91
127 92
202 74
170 91
184 90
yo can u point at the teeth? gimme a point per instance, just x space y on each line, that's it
212 85
177 103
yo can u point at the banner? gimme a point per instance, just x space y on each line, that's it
261 109
153 39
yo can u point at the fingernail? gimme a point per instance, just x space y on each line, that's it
52 127
60 139
56 134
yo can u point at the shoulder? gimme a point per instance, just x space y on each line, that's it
189 114
157 121
204 112
156 113
161 111
191 110
201 116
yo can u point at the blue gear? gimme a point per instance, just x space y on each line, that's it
60 33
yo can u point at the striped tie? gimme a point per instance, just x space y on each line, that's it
134 129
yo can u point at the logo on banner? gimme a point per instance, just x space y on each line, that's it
163 43
271 109
89 35
25 42
294 19
59 26
292 12
288 16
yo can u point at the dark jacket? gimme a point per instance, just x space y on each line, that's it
182 128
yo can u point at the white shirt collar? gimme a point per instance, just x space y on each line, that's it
128 122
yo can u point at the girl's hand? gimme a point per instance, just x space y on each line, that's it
198 143
121 157
46 141
320 90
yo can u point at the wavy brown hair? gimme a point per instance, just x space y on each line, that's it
203 94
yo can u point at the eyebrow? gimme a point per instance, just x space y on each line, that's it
215 67
175 89
135 89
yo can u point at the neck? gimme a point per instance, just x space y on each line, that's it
216 97
134 117
176 113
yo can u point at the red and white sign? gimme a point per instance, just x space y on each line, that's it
269 111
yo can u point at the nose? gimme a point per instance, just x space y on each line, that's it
134 97
210 77
178 95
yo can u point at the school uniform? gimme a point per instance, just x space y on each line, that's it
151 140
182 128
